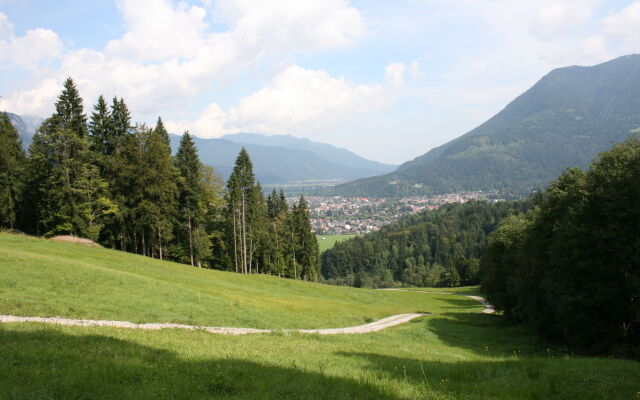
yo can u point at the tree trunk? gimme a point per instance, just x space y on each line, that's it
244 237
190 238
144 247
295 268
235 246
159 244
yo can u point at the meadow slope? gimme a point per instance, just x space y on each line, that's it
455 353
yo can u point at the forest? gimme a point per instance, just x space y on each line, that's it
570 267
432 248
118 184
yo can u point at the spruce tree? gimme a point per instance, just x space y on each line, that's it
70 111
241 212
160 191
162 131
72 196
191 200
100 128
308 252
12 162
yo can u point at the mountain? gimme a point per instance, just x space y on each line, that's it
282 159
325 151
564 120
26 126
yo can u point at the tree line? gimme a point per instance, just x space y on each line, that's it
570 267
432 248
118 184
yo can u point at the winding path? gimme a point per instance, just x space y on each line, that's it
367 328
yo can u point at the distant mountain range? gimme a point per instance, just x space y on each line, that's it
283 159
26 126
564 120
277 159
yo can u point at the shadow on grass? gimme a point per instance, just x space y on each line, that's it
487 335
518 378
48 364
460 302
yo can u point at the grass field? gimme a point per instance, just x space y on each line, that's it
326 242
454 353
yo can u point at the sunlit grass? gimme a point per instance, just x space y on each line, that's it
454 353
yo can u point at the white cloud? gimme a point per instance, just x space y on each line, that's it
169 55
297 99
35 47
291 25
625 23
553 18
167 31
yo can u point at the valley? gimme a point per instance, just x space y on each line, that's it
454 353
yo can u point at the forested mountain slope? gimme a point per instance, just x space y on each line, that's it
564 120
278 161
332 154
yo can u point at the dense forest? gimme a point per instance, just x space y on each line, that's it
570 267
432 248
118 184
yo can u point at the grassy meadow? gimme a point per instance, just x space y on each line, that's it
325 242
454 353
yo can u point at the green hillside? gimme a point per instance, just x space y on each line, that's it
43 278
454 353
564 120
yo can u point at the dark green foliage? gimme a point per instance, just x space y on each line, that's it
431 248
69 111
119 185
67 193
571 267
263 236
101 128
12 162
564 120
192 203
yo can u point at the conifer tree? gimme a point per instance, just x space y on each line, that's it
308 252
12 161
160 190
162 131
70 111
242 212
73 197
100 128
191 193
121 121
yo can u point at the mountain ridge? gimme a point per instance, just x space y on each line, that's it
564 120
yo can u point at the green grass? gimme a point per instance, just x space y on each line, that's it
43 278
453 354
325 242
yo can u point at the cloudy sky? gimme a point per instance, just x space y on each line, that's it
386 79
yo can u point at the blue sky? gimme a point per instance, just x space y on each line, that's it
386 79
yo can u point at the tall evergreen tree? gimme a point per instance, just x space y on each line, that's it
70 111
241 212
162 131
191 198
100 128
308 254
121 121
160 191
72 196
12 161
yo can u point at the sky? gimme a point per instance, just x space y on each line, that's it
388 80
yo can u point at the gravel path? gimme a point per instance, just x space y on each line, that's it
367 328
488 308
